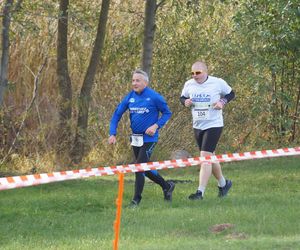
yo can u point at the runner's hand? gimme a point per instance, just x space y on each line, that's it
188 103
218 105
112 139
151 130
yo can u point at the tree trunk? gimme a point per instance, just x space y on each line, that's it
281 108
78 150
274 109
295 117
149 29
65 86
5 47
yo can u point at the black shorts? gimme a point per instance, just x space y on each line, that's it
207 139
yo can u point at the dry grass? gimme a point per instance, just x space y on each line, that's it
36 39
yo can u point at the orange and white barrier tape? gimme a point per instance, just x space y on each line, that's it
37 179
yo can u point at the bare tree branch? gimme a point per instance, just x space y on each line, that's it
36 82
17 6
160 3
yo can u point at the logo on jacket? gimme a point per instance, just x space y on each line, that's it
138 110
131 100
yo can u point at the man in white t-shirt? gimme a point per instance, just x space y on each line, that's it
206 96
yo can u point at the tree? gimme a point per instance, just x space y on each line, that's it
65 148
273 29
78 149
5 47
64 84
149 30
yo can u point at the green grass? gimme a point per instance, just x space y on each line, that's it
263 206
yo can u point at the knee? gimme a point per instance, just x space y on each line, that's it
205 153
206 164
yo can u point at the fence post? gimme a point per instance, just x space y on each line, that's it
119 210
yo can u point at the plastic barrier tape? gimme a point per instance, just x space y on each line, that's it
37 179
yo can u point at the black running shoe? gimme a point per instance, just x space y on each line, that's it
224 190
168 192
133 204
196 196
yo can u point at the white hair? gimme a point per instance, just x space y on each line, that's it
142 72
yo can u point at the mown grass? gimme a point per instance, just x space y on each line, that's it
263 207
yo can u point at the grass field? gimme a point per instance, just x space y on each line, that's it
263 210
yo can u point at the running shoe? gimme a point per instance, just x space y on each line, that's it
224 190
168 192
196 196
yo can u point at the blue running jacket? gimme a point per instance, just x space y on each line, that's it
144 111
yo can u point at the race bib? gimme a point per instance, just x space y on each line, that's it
137 140
200 114
200 111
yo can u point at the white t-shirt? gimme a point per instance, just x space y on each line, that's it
203 95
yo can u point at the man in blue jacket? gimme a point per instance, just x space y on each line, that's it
149 112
